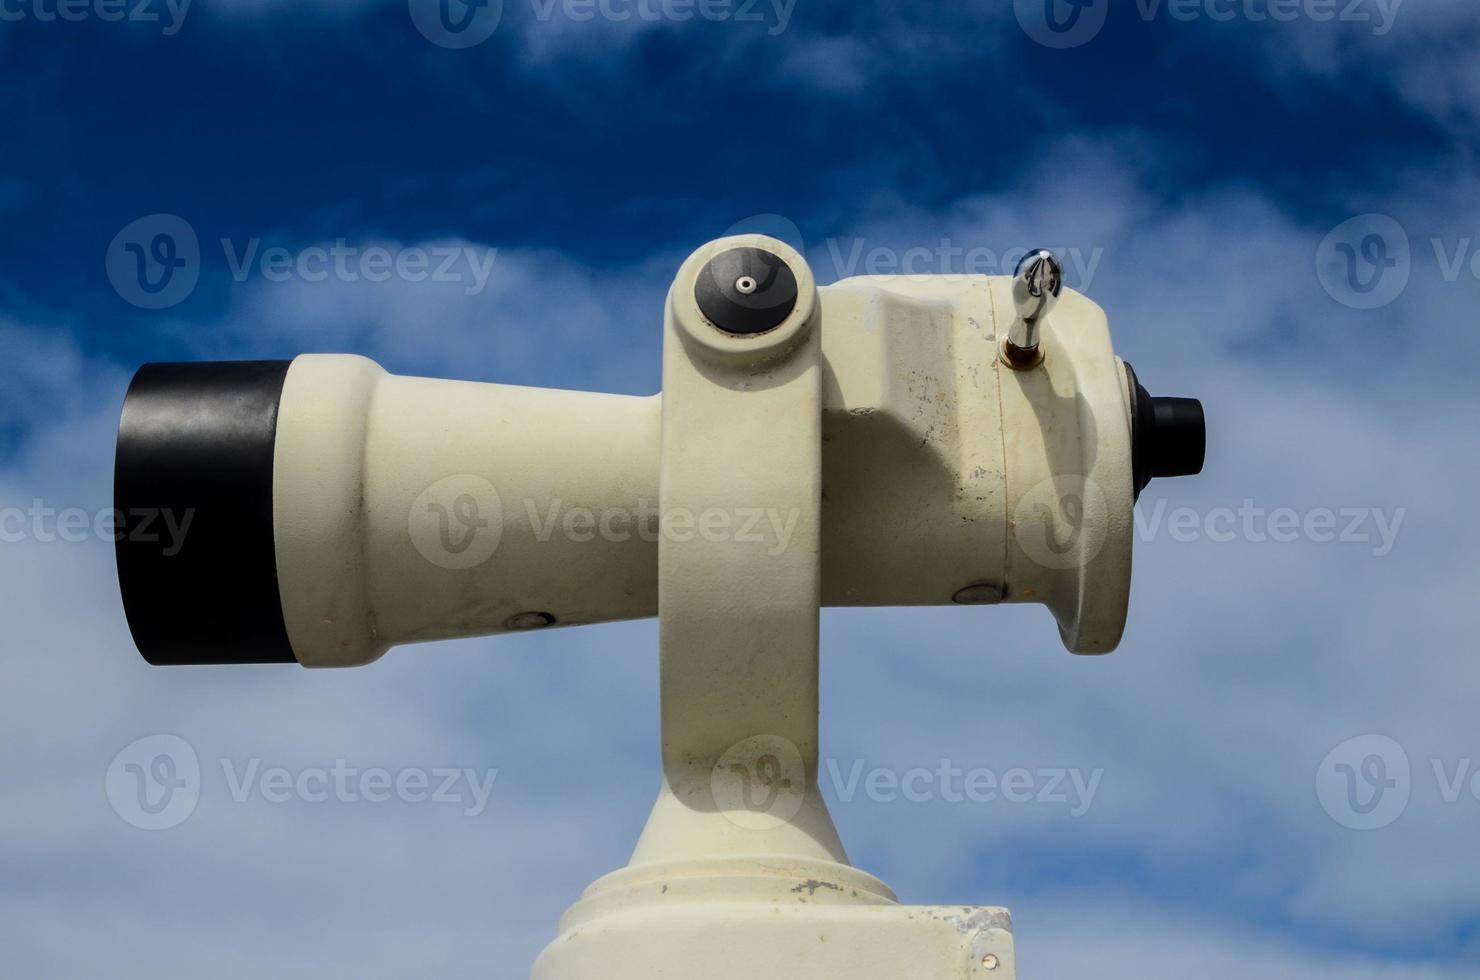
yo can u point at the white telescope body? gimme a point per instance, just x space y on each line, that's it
947 477
881 441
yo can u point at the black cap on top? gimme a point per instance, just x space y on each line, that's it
746 291
192 488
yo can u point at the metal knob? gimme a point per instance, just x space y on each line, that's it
1036 287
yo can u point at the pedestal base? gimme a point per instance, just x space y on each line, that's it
741 920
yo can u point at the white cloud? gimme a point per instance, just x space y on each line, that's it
538 319
1421 52
1106 939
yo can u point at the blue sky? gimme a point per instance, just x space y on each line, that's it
1203 166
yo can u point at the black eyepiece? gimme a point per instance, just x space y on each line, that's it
1169 435
192 493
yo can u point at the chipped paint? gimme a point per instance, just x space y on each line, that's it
981 921
810 887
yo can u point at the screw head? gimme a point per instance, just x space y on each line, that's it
981 594
529 621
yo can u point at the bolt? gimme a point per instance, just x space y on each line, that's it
529 621
981 594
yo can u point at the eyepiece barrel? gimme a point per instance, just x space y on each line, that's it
1181 435
193 492
1169 436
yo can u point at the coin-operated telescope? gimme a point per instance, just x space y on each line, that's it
881 441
